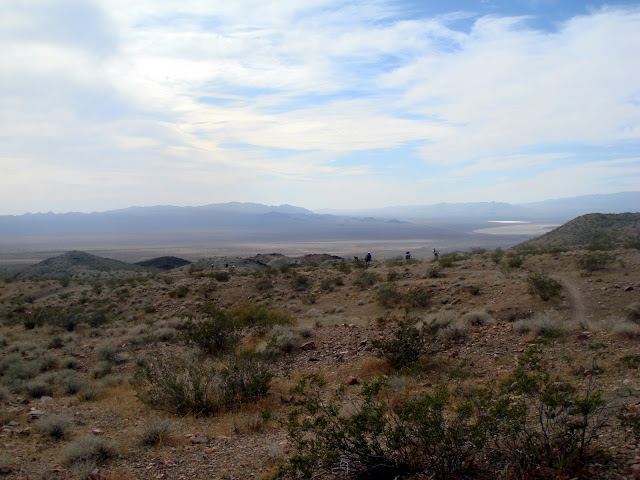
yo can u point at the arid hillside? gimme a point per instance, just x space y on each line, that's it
488 365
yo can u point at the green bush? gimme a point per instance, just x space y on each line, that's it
425 434
543 421
407 340
222 276
365 279
179 292
595 261
251 314
497 255
300 283
199 387
214 335
449 259
388 294
418 296
514 260
534 425
544 286
435 272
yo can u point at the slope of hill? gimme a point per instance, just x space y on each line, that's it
594 227
164 263
77 265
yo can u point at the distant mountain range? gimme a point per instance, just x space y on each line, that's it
231 224
556 210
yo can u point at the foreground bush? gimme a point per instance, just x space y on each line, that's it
532 426
199 387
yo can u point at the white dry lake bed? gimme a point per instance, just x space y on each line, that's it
517 227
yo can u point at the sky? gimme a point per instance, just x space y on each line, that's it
107 104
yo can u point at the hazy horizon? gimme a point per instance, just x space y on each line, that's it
320 104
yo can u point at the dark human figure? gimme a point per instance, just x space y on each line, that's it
407 256
435 253
367 259
355 259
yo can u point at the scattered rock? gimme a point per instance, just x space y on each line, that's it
199 438
352 381
628 289
308 346
46 399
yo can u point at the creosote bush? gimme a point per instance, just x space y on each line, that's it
533 425
365 279
595 261
407 340
544 286
200 387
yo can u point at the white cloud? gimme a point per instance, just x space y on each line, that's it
294 87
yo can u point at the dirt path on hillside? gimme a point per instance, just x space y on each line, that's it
578 314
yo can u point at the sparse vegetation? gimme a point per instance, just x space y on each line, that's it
443 382
544 286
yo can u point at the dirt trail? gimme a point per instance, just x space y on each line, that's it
575 299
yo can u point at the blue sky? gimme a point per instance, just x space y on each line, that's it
110 103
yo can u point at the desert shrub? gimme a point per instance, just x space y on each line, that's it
88 450
595 261
544 324
264 283
64 282
179 292
423 434
633 243
514 260
186 386
37 388
88 393
533 425
54 426
546 422
631 361
365 279
70 382
101 369
544 286
418 296
55 343
449 259
282 341
454 332
405 340
155 432
393 275
395 261
625 329
251 314
149 308
214 335
222 276
632 312
474 290
14 367
107 351
300 283
47 361
4 393
435 272
478 319
343 267
329 284
388 294
164 334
